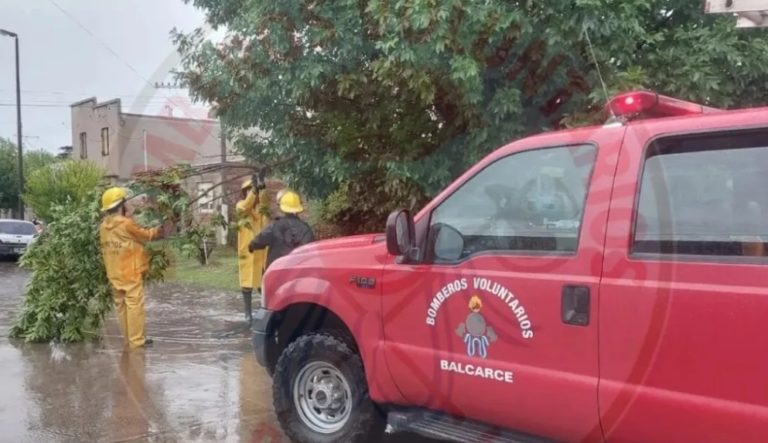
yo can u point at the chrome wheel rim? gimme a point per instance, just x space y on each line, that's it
322 397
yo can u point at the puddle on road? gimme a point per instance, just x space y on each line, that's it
173 312
200 381
12 282
190 315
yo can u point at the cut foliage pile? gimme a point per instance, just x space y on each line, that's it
69 295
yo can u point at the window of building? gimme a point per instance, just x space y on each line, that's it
204 192
704 196
104 141
83 145
529 201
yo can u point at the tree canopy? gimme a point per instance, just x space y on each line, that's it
381 103
9 175
58 184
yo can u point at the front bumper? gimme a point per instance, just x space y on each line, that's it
262 334
12 249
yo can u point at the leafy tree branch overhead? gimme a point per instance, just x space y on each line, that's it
382 103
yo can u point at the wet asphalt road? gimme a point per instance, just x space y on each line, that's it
199 383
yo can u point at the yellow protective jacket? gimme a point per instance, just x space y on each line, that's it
251 221
122 248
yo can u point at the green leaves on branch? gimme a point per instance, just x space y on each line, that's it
9 170
382 103
68 294
170 202
62 183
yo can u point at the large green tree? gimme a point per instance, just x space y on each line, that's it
9 183
9 175
380 103
58 184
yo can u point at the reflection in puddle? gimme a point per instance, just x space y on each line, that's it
200 382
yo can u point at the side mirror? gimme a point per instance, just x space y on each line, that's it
400 233
447 243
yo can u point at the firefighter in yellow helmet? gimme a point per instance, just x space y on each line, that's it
122 248
251 220
285 234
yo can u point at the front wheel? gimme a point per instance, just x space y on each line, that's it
321 394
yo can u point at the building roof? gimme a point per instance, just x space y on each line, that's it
165 117
82 102
95 104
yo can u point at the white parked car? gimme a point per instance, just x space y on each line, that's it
15 236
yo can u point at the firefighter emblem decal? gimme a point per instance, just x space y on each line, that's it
475 331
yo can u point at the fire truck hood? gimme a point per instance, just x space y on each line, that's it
341 243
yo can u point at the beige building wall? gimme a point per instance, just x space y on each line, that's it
89 119
124 144
158 142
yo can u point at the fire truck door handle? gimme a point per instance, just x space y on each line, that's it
575 305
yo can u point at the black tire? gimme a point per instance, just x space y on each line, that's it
365 423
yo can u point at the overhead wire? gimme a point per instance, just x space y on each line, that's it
585 32
57 92
58 98
68 104
32 105
98 40
105 45
140 99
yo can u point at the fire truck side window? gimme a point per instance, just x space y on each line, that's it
529 201
704 196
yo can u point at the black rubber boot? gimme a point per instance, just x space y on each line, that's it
248 301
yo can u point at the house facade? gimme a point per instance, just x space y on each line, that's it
125 144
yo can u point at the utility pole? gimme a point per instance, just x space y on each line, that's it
18 121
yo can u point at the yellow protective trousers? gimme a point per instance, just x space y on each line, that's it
129 305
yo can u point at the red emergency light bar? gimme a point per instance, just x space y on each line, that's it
651 104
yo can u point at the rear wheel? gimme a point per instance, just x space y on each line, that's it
321 394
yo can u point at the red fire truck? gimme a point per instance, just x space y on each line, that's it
599 284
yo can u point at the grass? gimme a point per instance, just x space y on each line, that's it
220 273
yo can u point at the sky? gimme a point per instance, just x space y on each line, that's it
75 49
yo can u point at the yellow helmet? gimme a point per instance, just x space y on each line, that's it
246 184
112 197
290 203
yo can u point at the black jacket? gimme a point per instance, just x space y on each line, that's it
282 236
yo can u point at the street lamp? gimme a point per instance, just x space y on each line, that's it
18 120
